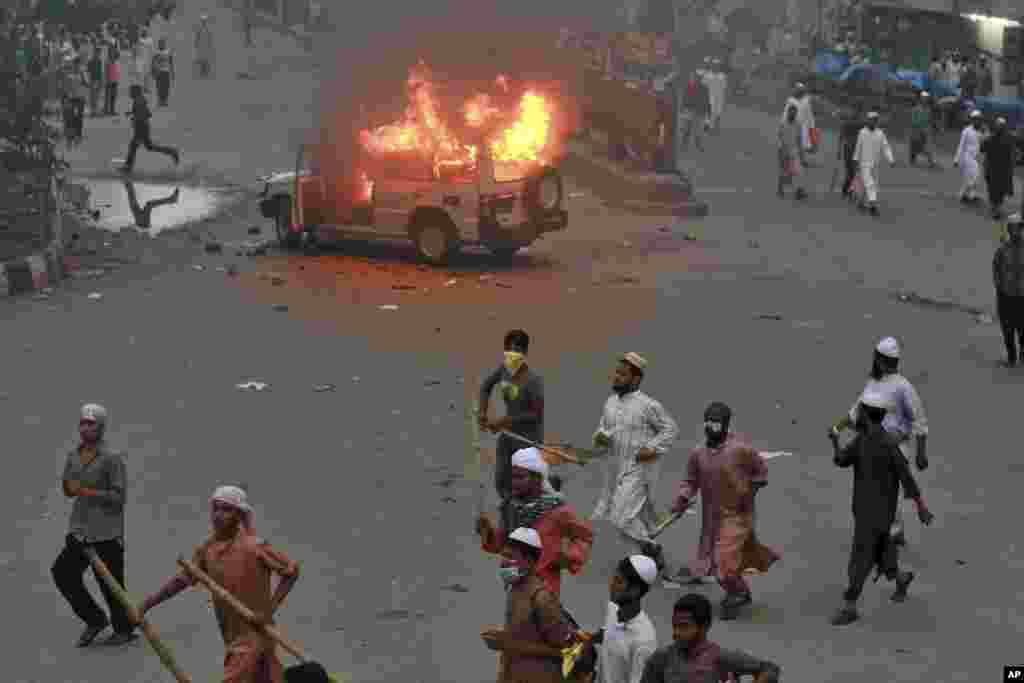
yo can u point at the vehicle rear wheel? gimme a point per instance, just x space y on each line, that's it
434 243
286 237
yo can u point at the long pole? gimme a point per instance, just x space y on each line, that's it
162 651
244 611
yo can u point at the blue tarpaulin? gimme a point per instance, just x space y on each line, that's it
867 72
830 62
1010 108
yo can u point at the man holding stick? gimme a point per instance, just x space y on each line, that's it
242 563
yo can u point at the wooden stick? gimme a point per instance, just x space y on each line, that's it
561 453
222 593
162 651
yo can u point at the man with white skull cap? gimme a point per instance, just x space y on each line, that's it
905 418
535 621
242 563
967 158
567 538
628 638
95 476
872 147
879 469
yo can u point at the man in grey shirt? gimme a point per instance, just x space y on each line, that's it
523 391
95 477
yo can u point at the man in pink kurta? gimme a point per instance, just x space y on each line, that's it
727 474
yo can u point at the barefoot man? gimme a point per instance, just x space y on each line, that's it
242 563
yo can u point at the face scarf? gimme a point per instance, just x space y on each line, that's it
514 361
512 575
526 512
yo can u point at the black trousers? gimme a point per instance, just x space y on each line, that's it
851 170
68 573
1011 318
111 98
872 547
163 87
141 137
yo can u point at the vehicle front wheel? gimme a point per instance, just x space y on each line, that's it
434 243
286 237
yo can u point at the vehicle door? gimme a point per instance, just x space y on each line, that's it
398 188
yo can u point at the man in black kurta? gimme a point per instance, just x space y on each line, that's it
879 469
1000 154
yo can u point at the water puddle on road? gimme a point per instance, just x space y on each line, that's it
149 206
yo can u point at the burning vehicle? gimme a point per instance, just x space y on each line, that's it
485 175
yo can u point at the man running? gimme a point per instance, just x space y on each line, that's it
727 474
241 563
141 132
639 432
879 469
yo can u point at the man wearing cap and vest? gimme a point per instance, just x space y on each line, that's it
728 474
904 420
242 563
628 638
94 476
1008 276
532 504
1000 151
967 159
639 432
879 469
872 146
535 620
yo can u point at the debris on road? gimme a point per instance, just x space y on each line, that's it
404 288
753 244
277 281
255 230
504 285
775 454
321 388
232 270
252 386
95 296
456 588
486 277
199 267
87 274
577 195
281 308
432 383
214 248
768 316
388 307
449 499
355 379
451 283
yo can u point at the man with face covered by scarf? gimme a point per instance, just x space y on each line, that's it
727 474
905 420
242 563
638 432
534 617
95 477
523 391
533 505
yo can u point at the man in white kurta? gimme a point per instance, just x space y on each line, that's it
872 146
638 432
967 159
716 82
628 638
802 100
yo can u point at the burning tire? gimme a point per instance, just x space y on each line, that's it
435 239
286 237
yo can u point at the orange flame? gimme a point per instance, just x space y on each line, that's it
423 131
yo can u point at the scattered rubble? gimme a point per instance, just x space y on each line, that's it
95 296
769 316
252 386
456 588
214 248
321 388
280 308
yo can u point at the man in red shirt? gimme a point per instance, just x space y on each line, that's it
567 539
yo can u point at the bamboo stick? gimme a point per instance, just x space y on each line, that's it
161 649
236 605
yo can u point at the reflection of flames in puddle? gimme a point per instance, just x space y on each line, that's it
522 133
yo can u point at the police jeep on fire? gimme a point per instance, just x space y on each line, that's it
503 206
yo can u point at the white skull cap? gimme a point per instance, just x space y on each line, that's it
645 567
94 412
975 114
889 347
233 496
527 536
530 459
